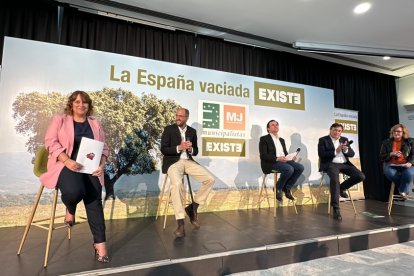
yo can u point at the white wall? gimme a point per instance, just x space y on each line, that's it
405 96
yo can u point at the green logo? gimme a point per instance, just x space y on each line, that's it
211 115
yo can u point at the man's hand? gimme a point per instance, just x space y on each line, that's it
281 159
408 165
185 145
345 147
342 147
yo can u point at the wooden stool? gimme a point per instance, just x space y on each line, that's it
167 201
40 167
310 197
263 187
329 195
392 197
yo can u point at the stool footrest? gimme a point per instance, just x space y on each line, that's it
167 200
41 223
267 196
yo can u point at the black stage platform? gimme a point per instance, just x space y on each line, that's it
227 242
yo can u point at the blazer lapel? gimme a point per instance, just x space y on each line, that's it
271 141
94 129
68 124
188 134
330 143
177 133
269 138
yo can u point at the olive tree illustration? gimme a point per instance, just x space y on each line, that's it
133 125
33 112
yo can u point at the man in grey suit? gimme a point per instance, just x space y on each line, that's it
179 145
273 153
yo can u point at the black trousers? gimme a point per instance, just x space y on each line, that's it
355 176
79 186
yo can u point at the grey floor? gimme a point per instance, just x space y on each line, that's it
135 242
397 259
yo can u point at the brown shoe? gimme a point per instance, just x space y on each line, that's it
192 214
179 232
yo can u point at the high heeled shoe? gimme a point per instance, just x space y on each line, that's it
99 258
69 223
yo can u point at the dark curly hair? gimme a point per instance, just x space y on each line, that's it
85 98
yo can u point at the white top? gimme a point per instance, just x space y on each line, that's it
339 157
279 148
182 132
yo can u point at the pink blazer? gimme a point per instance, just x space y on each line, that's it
60 137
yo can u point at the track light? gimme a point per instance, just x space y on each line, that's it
350 50
136 20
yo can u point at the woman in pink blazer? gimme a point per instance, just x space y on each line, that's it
62 140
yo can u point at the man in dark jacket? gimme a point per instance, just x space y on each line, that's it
273 156
179 145
334 151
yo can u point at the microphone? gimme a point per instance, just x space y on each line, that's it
187 138
347 145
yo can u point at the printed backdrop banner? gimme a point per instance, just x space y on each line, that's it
135 99
349 120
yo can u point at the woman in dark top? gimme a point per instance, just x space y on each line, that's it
62 140
397 153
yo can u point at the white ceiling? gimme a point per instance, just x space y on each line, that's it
277 24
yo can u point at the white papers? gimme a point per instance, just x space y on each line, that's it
397 165
291 155
89 155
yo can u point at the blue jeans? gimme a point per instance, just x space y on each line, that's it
401 176
289 174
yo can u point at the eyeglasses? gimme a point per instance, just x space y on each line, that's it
397 130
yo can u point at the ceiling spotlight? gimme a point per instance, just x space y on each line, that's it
386 57
361 8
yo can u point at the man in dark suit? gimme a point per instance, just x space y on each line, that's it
273 153
334 151
179 145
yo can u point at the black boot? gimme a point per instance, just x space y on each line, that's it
343 194
288 194
337 214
